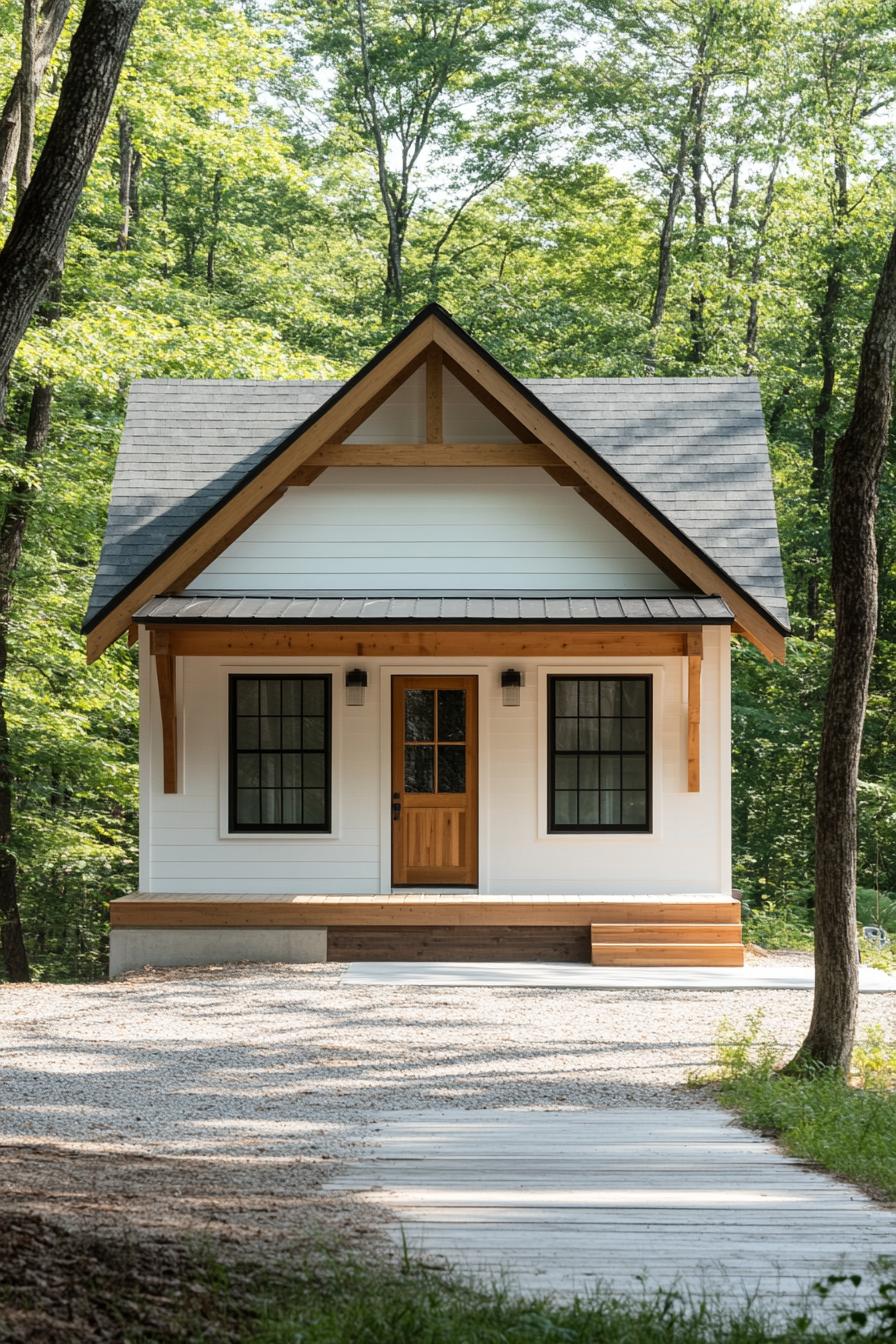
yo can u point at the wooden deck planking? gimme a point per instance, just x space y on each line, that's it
185 910
562 1201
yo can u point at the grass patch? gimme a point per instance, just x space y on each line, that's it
849 1128
421 1307
60 1287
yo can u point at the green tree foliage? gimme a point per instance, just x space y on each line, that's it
530 155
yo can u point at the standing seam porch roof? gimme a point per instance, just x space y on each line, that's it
693 448
408 608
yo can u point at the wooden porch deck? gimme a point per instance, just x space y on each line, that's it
690 929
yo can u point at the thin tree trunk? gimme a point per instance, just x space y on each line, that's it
125 170
751 341
32 253
674 198
827 327
858 462
212 254
53 14
697 314
12 535
29 86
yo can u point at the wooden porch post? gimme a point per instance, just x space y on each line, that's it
165 676
695 668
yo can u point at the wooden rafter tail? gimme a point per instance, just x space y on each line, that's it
695 670
166 677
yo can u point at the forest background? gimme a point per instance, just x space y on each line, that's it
679 187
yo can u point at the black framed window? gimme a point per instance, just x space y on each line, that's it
280 753
599 733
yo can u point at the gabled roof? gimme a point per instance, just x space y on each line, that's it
692 451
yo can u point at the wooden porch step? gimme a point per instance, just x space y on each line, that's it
666 933
667 954
669 912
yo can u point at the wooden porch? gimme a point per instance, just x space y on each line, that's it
668 930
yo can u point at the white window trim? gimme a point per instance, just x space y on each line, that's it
657 672
337 708
487 686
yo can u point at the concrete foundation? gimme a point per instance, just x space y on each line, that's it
132 949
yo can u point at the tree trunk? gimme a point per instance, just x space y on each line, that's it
29 86
52 19
858 462
827 325
697 314
12 534
751 341
125 180
673 200
211 256
32 253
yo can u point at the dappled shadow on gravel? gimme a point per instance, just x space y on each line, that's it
218 1101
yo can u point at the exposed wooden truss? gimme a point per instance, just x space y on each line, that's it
432 454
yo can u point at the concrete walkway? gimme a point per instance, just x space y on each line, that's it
561 1202
570 975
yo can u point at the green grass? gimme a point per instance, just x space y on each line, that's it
848 1129
422 1307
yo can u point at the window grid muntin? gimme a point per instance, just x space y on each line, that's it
599 755
292 727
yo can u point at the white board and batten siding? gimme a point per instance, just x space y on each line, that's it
433 529
185 845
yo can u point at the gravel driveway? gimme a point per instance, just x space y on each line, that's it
220 1100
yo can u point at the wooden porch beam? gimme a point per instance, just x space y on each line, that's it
431 454
561 641
695 669
435 400
165 676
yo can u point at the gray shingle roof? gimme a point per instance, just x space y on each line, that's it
310 608
694 448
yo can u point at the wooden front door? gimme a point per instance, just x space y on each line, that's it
434 781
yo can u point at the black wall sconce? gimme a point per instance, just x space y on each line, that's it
355 686
511 681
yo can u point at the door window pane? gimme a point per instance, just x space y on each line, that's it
280 753
452 769
419 716
452 716
419 774
600 745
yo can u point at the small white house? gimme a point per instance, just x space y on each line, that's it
435 662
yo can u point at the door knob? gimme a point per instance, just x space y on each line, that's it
396 806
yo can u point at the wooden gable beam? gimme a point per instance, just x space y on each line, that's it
219 530
164 658
431 455
695 669
435 398
420 641
538 425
